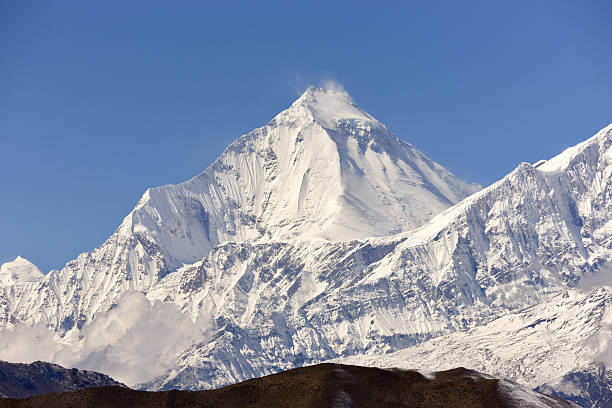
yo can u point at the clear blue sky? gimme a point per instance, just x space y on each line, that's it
101 100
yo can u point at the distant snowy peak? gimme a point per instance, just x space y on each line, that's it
19 270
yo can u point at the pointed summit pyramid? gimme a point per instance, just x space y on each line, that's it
322 168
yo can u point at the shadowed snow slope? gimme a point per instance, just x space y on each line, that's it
589 386
322 168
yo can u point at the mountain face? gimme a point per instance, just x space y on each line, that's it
323 168
18 271
25 380
532 235
268 251
324 385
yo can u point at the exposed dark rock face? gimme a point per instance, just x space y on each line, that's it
323 385
24 380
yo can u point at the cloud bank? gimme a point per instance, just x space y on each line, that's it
27 344
134 342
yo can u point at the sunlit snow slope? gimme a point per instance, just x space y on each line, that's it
567 331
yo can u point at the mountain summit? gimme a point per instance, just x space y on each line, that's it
330 105
322 168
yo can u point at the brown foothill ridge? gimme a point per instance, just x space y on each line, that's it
322 385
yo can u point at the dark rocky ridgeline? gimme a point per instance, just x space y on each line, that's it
323 385
24 380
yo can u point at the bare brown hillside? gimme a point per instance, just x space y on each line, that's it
323 385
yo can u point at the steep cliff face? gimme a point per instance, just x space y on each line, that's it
323 168
536 232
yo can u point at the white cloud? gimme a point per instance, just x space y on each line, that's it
26 344
133 343
603 342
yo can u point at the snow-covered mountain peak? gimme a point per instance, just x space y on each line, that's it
19 270
322 168
329 106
